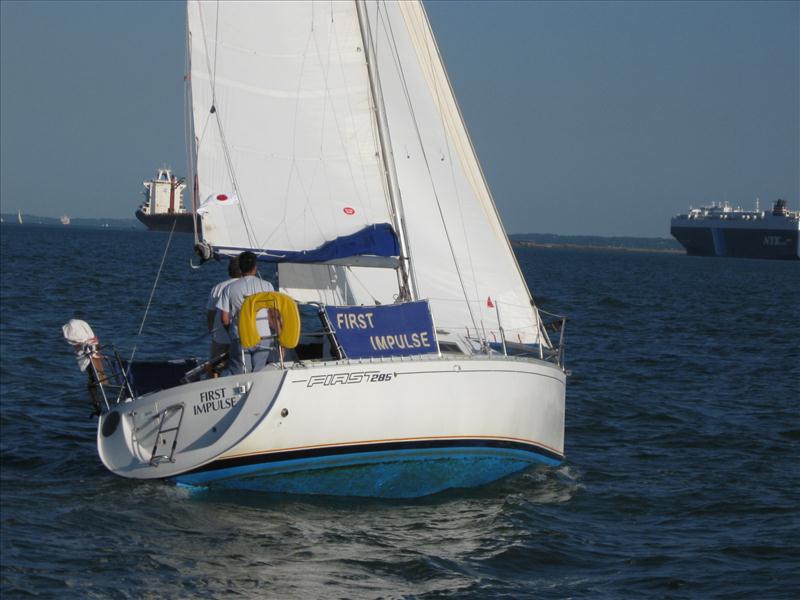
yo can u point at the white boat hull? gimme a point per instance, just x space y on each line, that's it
364 428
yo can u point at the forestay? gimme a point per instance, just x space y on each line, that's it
452 223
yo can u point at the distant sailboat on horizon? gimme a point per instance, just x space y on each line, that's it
19 217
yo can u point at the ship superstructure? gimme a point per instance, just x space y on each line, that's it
163 203
721 230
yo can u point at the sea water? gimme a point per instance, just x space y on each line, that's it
682 476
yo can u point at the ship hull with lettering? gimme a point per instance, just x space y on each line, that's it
736 233
355 428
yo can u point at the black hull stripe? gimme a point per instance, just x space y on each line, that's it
468 371
273 457
163 222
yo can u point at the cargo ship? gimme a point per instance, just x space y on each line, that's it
163 204
721 230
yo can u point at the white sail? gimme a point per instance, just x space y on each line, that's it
283 124
338 285
454 231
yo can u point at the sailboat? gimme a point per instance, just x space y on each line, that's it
19 217
326 138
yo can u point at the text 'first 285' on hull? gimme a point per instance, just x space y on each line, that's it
327 140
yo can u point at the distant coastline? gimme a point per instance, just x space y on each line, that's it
592 242
532 240
93 223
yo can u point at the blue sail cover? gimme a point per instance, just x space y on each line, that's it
373 240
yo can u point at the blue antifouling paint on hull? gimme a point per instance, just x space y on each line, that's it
378 475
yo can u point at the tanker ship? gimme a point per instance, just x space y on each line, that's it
163 204
720 230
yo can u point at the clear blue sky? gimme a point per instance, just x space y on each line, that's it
589 118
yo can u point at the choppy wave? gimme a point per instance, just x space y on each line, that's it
681 477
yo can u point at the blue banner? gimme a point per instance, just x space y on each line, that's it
388 330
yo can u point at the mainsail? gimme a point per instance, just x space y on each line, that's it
285 119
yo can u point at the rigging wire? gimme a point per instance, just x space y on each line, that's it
212 71
340 134
216 47
361 173
535 311
188 129
205 46
153 291
409 288
281 224
448 143
395 54
374 125
327 65
366 289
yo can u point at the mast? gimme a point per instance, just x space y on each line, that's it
191 142
408 285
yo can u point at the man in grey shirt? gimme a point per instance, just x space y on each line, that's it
245 360
220 340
